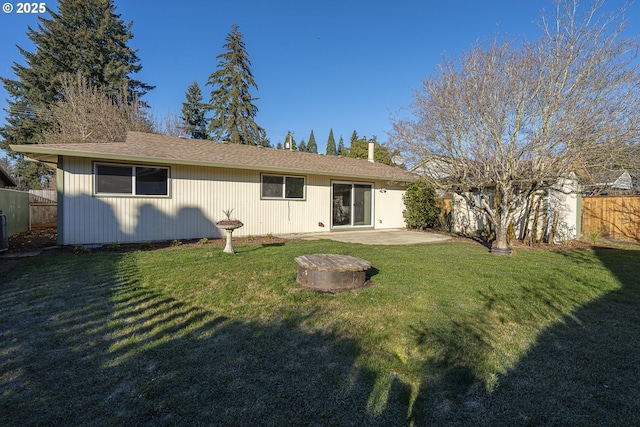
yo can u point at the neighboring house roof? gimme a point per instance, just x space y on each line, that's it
8 181
617 180
160 149
434 167
445 171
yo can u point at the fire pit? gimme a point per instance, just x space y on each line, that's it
331 272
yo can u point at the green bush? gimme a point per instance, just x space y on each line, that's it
115 246
421 211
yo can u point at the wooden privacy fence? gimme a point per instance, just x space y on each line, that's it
445 212
615 217
44 208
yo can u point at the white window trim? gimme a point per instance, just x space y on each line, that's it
133 180
284 188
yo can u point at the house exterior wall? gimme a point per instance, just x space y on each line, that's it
388 206
560 202
198 195
565 202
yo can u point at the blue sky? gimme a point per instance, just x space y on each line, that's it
319 64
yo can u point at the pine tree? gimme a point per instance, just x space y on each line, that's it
193 112
312 146
231 102
302 146
340 146
354 137
83 36
265 142
331 145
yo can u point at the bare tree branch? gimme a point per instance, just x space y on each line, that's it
85 113
503 121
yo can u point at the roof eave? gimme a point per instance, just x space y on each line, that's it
9 182
50 156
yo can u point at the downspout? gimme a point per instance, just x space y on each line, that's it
60 200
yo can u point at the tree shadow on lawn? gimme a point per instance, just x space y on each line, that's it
82 342
584 370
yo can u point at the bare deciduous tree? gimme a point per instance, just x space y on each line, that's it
85 113
504 121
171 124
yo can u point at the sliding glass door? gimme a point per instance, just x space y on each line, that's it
352 205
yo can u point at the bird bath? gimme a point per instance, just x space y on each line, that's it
229 225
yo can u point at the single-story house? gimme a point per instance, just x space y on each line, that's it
154 187
6 180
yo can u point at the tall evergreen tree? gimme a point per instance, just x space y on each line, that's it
312 146
340 146
265 142
331 144
231 101
193 112
85 36
302 146
354 137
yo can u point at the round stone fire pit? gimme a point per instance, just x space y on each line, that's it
331 272
229 225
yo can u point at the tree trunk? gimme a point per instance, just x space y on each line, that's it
500 245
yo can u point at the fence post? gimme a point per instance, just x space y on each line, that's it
579 216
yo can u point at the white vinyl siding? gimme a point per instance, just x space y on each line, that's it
198 197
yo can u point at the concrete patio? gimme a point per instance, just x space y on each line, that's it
374 237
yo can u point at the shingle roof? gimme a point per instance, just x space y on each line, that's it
153 148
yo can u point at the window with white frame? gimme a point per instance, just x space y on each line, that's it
283 187
130 180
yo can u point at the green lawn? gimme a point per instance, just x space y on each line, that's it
447 335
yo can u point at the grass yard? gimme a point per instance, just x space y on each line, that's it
448 335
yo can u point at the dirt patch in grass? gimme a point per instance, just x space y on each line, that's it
36 238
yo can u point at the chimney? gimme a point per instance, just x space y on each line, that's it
371 146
